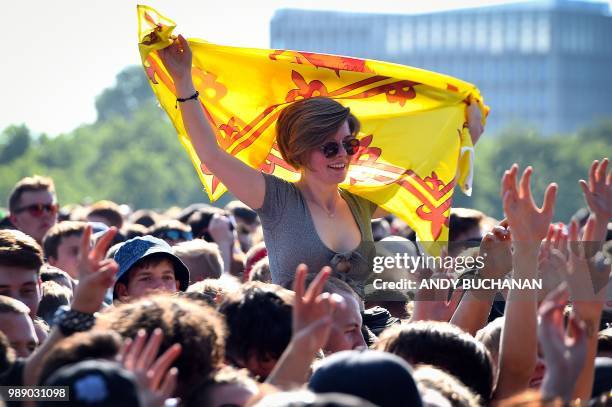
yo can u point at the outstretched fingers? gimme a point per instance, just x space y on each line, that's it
525 184
600 175
85 244
168 386
316 287
150 350
549 199
159 370
509 180
299 281
130 359
592 175
103 243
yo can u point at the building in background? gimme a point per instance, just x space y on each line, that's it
544 64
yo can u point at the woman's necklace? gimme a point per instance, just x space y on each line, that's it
330 214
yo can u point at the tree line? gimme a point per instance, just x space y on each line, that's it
131 155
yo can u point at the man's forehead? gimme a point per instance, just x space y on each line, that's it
14 318
73 240
163 265
21 323
349 314
17 275
41 196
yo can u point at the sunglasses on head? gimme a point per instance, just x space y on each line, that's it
175 235
37 210
331 149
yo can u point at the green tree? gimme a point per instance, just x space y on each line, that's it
563 159
129 94
14 142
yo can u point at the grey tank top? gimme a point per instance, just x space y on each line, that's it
291 237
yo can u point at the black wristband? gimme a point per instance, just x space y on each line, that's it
192 97
70 321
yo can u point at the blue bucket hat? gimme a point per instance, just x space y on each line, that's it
141 247
96 383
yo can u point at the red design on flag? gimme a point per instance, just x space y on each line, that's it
214 180
452 88
152 37
206 82
150 71
305 90
435 216
396 92
231 131
272 161
432 188
334 62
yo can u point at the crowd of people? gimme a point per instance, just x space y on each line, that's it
147 308
269 301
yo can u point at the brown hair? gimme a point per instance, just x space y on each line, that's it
145 217
444 346
463 220
58 232
258 318
19 250
261 271
205 256
54 295
81 346
306 124
334 285
215 289
160 227
198 328
202 393
35 183
108 210
430 377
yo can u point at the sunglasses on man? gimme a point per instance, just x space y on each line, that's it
37 210
332 148
174 235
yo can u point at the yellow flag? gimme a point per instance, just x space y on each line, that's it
414 147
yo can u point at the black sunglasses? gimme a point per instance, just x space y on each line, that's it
37 210
331 149
175 235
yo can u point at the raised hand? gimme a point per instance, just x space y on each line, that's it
528 223
96 274
154 375
220 229
496 249
312 309
598 191
474 119
587 276
553 258
177 59
565 356
312 324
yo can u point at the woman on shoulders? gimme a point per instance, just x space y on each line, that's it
312 221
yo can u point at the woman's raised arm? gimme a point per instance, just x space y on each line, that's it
246 183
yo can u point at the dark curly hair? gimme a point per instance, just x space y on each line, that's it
196 327
445 346
258 319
